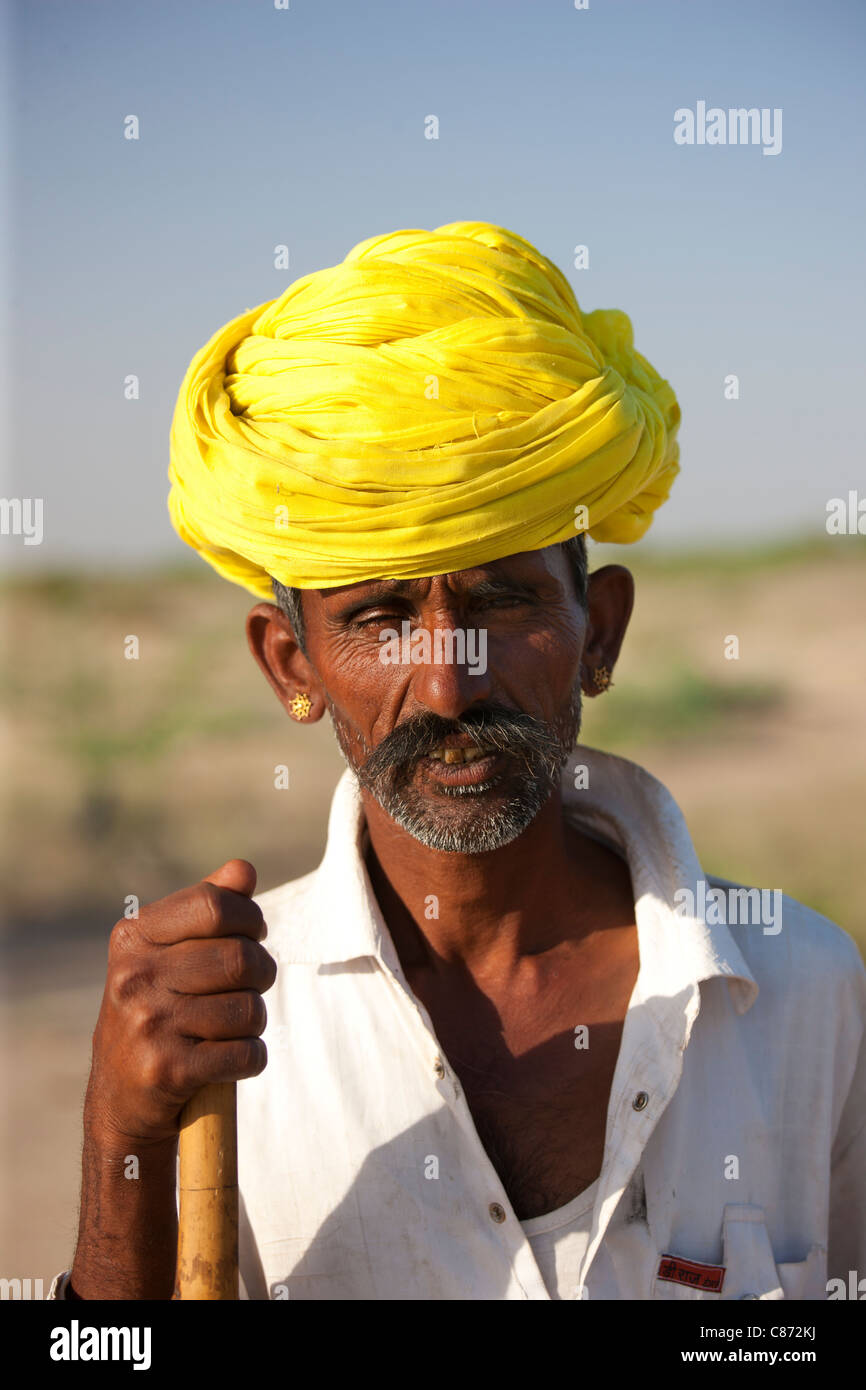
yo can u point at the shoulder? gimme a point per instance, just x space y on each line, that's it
791 946
290 911
807 1020
276 902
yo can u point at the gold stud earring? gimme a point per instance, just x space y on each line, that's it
301 706
601 676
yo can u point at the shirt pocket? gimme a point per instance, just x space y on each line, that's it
750 1266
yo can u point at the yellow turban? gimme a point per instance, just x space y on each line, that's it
435 402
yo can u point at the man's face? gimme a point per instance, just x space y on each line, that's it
398 722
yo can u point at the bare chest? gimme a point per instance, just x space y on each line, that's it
542 1116
536 1073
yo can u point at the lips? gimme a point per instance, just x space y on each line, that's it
478 772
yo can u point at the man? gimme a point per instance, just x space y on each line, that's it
519 1045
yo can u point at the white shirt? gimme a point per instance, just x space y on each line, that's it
736 1125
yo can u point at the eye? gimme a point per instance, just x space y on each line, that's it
494 601
377 618
505 601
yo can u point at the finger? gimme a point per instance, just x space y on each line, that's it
216 966
239 875
203 910
219 1017
207 1063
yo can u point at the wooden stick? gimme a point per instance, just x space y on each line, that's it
207 1235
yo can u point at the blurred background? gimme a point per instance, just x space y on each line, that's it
304 127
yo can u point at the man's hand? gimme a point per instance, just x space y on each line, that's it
182 1005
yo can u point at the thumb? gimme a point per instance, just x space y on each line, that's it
236 874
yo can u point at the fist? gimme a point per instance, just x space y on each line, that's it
182 1005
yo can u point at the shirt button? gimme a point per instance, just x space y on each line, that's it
439 1068
641 1101
496 1211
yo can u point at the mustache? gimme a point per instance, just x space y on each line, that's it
507 730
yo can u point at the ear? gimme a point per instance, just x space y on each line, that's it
609 601
274 645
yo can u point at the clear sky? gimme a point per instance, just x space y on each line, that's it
305 126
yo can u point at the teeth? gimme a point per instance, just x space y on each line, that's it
470 754
459 755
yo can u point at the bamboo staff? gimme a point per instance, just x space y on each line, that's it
207 1233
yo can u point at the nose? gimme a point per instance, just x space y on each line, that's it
446 684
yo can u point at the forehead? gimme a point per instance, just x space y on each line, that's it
525 566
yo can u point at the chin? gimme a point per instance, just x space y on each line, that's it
470 824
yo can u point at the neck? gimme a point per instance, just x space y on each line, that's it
487 911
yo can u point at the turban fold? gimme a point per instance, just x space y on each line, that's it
436 401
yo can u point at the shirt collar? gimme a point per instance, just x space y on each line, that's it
621 804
